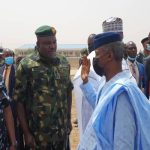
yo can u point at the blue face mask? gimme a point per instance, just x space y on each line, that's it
9 60
131 58
148 47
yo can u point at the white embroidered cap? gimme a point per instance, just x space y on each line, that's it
113 24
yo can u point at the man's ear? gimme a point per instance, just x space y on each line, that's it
37 44
110 55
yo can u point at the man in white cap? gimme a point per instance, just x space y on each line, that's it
113 24
84 110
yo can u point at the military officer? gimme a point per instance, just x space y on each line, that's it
43 94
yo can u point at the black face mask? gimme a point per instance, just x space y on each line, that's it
97 69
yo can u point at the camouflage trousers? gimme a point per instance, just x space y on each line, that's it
53 145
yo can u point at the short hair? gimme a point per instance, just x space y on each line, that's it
117 48
144 40
8 52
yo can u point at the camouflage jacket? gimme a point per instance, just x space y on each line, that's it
43 88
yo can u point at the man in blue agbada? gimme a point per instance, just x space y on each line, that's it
121 116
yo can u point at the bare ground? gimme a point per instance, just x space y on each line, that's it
74 137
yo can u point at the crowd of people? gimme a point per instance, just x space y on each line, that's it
112 89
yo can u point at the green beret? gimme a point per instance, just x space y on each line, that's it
45 31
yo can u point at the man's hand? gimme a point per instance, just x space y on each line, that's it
29 140
12 147
85 69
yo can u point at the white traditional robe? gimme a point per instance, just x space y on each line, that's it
83 107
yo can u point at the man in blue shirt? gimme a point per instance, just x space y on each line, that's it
121 114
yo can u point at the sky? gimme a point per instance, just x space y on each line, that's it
74 20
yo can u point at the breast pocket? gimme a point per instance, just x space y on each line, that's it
64 73
39 79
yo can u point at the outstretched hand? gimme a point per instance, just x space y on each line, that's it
85 69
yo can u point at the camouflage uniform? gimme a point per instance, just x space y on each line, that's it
43 87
